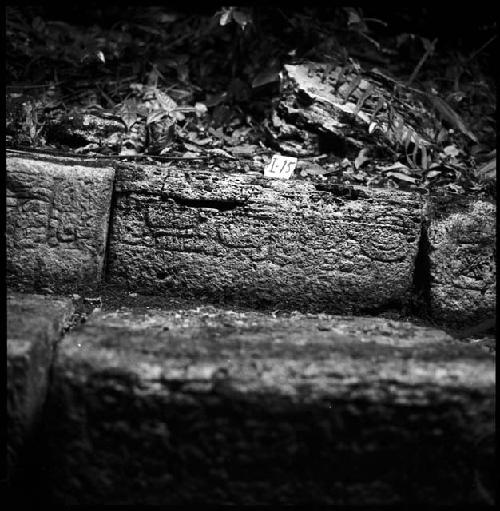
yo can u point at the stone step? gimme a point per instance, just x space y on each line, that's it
35 324
239 238
210 405
245 239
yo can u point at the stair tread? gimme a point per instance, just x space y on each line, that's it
205 404
34 325
211 343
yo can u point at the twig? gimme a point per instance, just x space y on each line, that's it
111 103
478 51
370 39
107 157
41 86
376 20
429 50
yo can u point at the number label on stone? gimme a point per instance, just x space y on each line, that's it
281 167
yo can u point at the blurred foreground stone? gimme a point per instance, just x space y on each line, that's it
213 406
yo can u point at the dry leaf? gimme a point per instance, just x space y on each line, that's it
487 171
128 112
265 78
226 16
450 115
394 166
425 158
201 109
361 158
155 116
401 177
245 149
452 151
192 148
433 173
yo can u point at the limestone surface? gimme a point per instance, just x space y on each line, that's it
215 406
57 223
244 239
462 237
34 324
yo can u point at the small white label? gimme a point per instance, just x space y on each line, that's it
281 167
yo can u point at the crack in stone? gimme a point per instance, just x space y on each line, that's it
219 204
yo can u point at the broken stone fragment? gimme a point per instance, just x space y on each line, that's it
34 324
342 109
77 129
57 222
462 236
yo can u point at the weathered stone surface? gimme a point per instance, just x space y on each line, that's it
34 324
242 238
76 129
341 108
462 238
57 222
210 406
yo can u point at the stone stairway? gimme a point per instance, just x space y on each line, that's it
181 334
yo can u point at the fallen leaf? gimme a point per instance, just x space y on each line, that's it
452 151
220 152
265 78
317 170
361 158
245 149
226 16
203 141
425 158
487 171
371 127
345 163
128 112
191 147
433 173
442 135
394 166
450 115
155 116
128 151
201 109
353 16
455 188
401 177
165 101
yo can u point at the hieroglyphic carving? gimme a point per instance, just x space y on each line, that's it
255 240
57 223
